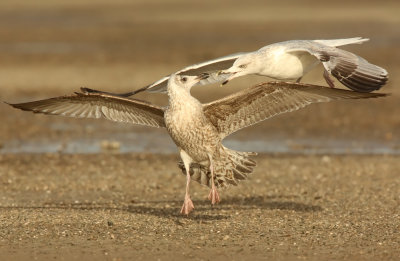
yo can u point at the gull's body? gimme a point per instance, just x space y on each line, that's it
185 109
277 62
289 60
198 129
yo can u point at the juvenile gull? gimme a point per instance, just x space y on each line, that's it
198 129
289 60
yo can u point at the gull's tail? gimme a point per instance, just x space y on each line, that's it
229 168
340 42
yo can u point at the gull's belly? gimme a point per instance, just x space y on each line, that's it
288 66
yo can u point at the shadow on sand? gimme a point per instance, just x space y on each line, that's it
203 209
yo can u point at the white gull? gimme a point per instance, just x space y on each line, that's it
289 60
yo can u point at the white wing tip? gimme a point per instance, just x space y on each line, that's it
361 39
385 72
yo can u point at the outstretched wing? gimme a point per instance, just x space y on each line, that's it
95 105
351 70
266 100
210 67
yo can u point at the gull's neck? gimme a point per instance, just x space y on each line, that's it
180 97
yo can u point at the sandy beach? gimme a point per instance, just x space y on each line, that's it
328 177
119 207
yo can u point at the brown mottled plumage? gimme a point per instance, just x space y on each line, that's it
198 129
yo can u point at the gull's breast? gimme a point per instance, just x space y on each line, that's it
282 65
192 132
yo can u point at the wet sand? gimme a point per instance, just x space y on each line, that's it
125 206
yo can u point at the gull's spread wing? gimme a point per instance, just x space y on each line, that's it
97 105
266 100
211 67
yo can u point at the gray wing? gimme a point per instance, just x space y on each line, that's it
211 67
266 100
351 70
88 105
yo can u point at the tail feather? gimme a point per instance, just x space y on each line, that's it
238 175
230 167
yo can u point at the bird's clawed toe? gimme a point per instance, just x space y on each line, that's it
214 196
187 206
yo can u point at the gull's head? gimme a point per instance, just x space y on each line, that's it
185 81
244 65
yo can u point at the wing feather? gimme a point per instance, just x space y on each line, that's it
350 69
212 67
266 100
95 105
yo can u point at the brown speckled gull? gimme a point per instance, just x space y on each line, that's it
198 129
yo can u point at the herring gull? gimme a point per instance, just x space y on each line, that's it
289 60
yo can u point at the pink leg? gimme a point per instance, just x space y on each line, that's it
187 203
213 196
328 79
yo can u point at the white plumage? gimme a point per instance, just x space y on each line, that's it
289 60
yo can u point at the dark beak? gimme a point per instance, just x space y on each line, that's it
227 80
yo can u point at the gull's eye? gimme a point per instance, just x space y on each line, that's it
184 79
243 66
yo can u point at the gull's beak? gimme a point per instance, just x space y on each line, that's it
232 75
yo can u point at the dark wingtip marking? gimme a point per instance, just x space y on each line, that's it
359 75
88 90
